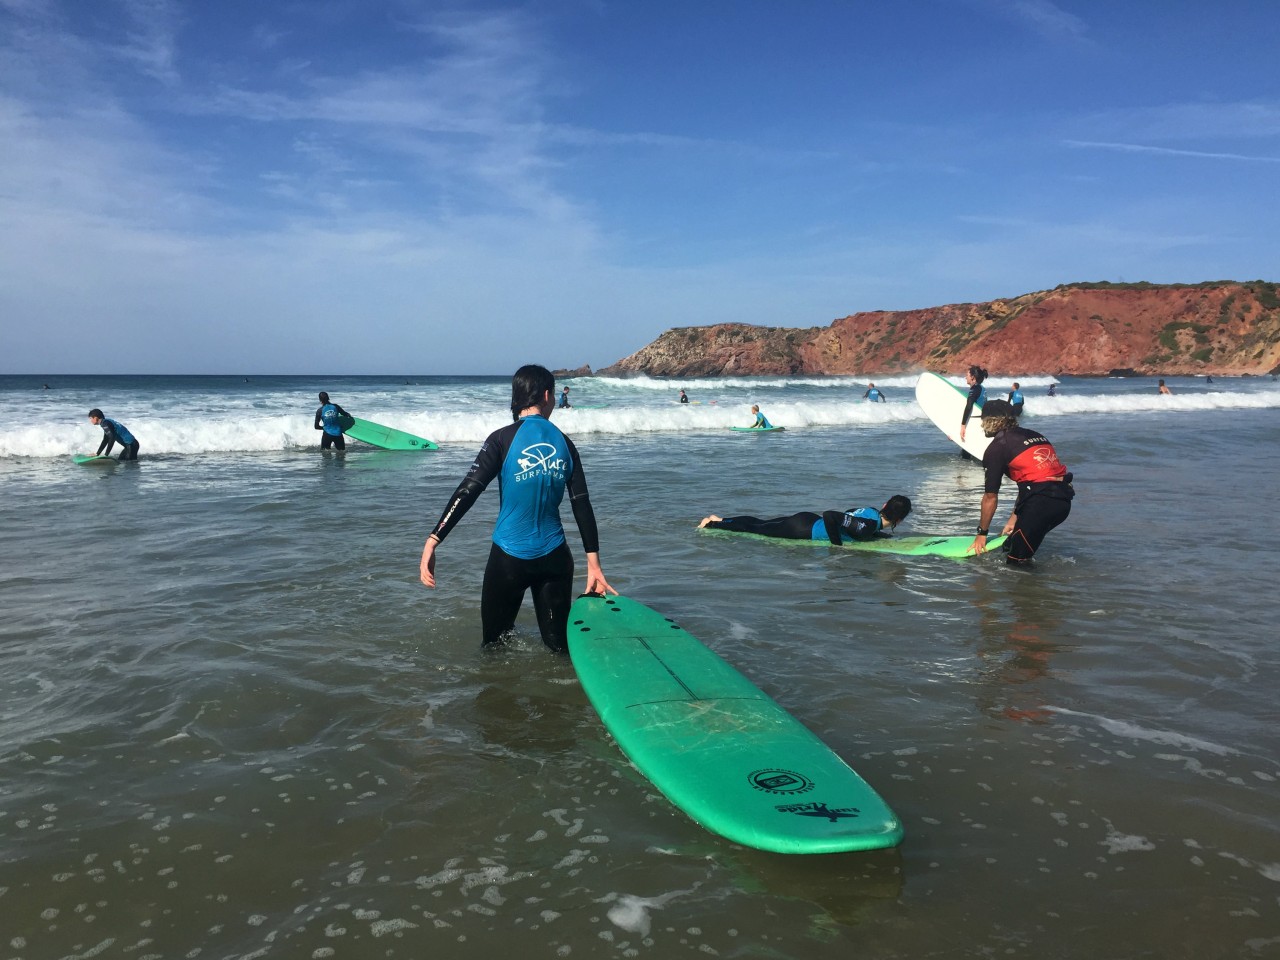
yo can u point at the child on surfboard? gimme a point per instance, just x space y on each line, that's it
861 523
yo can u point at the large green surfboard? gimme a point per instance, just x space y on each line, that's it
715 744
388 438
757 429
90 458
956 548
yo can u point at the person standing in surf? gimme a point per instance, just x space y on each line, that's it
113 432
1163 389
874 394
1016 399
535 465
1044 484
977 394
329 419
861 523
564 399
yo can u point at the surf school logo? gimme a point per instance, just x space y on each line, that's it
539 457
833 814
780 781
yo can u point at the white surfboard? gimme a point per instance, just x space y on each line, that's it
943 403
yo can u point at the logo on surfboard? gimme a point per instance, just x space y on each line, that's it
833 814
780 781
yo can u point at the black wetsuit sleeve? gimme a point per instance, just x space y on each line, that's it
109 438
486 466
318 426
580 501
832 520
974 393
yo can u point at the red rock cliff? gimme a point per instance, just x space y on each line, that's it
1081 329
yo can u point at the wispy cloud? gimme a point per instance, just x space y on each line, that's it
1167 151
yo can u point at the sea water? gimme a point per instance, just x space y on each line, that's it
233 723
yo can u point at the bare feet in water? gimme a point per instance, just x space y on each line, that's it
711 519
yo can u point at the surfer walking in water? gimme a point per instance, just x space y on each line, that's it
874 394
536 465
1044 484
329 419
1164 390
861 523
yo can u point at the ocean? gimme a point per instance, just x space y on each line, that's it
233 724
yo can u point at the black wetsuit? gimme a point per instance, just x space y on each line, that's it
862 523
1044 486
331 425
535 465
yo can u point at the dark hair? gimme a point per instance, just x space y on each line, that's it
95 412
896 509
528 386
978 373
324 397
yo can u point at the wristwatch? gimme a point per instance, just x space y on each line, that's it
982 531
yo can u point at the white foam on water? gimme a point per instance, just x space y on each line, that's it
1123 728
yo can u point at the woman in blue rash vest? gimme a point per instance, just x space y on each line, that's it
1016 399
113 432
329 419
977 394
535 464
863 523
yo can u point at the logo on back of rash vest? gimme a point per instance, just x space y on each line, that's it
780 781
542 457
818 810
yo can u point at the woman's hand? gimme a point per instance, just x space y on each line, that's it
427 568
596 583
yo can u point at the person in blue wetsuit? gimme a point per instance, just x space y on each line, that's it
113 432
329 419
862 523
1016 399
535 465
564 399
874 394
761 421
977 394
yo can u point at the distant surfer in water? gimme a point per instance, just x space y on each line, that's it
328 419
113 432
1053 389
684 397
861 523
1016 400
564 399
536 465
874 394
1044 484
761 421
1164 389
977 394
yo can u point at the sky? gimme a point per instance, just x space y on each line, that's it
434 187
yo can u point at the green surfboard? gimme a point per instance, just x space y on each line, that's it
715 744
954 547
89 458
757 429
388 438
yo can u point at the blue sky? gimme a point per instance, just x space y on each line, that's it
393 186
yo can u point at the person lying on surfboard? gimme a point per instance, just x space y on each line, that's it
761 422
862 523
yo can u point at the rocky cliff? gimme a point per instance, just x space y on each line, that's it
1081 329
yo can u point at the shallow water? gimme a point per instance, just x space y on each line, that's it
233 724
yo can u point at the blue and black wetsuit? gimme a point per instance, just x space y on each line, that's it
328 419
1016 398
113 432
535 465
762 422
978 395
874 395
863 523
